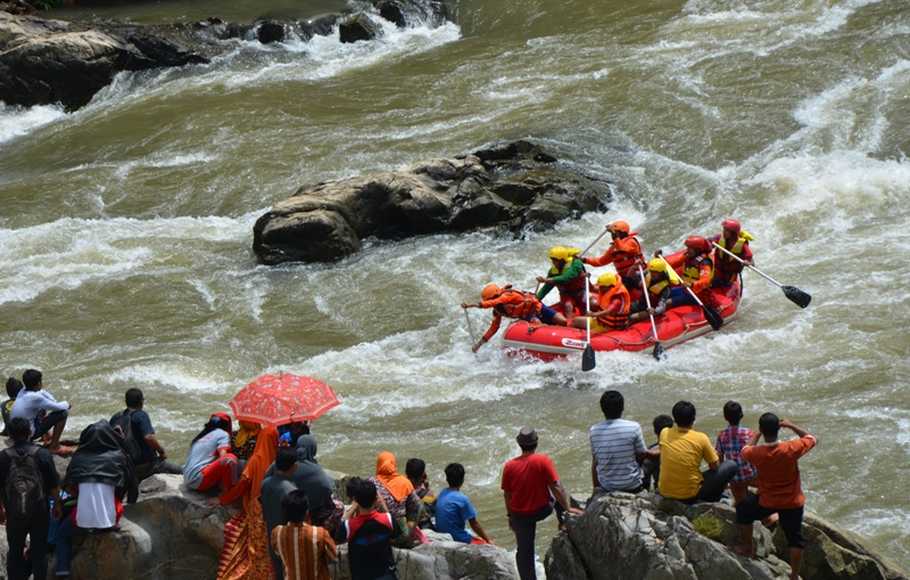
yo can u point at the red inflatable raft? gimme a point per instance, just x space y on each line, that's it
673 327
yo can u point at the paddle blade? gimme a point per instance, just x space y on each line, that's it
587 359
713 317
658 351
797 296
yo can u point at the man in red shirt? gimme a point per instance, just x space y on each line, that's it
529 484
779 487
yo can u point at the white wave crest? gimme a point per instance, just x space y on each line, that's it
19 121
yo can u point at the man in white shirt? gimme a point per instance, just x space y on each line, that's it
40 409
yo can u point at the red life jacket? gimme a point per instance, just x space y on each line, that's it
521 304
620 318
575 285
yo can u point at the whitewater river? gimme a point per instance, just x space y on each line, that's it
126 228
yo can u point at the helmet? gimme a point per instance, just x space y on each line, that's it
572 252
657 265
607 279
490 291
558 253
619 226
731 225
698 244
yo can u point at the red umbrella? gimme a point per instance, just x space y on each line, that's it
278 399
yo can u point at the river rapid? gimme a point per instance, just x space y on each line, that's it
126 228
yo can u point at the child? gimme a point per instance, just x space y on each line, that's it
369 535
416 471
454 509
13 386
651 467
305 550
729 446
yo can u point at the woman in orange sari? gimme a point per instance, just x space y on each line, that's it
245 555
399 498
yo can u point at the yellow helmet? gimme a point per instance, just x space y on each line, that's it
656 265
572 252
607 279
558 253
490 291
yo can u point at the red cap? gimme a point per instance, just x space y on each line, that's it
731 225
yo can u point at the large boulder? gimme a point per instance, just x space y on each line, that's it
654 538
513 186
48 61
357 27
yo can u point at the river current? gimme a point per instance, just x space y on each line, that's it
126 228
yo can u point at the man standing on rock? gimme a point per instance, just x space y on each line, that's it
779 487
529 484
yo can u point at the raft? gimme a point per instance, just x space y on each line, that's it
676 325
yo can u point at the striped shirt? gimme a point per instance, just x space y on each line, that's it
614 445
304 550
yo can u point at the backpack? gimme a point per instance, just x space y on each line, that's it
123 425
24 486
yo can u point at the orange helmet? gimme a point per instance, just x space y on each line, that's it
731 225
620 226
699 244
490 291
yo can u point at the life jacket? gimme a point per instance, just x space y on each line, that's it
573 286
657 288
692 268
626 254
722 258
528 305
619 319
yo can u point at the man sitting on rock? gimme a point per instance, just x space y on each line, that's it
617 448
682 450
779 487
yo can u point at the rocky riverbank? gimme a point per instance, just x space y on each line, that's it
46 61
511 187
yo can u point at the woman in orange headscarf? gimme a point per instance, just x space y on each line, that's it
245 555
397 493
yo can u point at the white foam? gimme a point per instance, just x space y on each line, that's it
19 121
173 376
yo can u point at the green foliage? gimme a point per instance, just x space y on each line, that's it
709 526
46 4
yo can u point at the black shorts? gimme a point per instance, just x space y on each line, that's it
44 424
791 520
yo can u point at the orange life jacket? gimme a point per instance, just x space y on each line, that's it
627 255
692 271
520 304
620 318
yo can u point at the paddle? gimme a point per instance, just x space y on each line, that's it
658 348
711 315
588 361
470 326
793 294
597 239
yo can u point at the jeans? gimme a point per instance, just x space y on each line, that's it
17 567
63 541
525 529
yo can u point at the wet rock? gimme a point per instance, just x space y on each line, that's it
322 25
48 61
392 11
410 12
270 31
358 27
513 187
655 538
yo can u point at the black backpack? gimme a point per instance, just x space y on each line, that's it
123 425
25 496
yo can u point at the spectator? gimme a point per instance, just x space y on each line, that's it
305 550
650 467
99 476
369 534
13 386
527 484
243 441
397 494
41 409
275 488
682 450
617 448
30 471
779 487
140 442
454 509
416 471
729 445
209 463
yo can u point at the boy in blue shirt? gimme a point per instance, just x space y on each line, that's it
454 509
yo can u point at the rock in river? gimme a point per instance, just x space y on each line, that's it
512 186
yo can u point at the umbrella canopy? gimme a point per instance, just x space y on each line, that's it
278 399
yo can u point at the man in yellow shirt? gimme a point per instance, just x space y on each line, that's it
682 449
